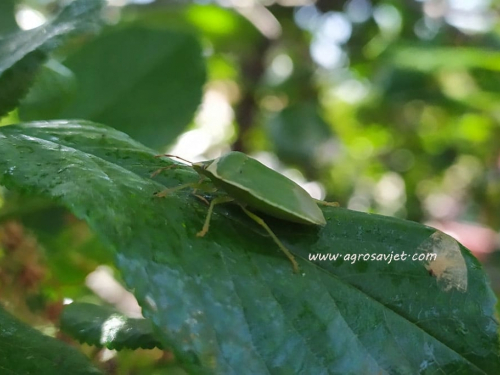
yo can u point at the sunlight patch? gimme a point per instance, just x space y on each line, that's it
111 327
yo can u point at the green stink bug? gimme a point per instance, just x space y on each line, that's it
252 185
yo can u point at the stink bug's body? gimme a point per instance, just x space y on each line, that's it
251 183
254 186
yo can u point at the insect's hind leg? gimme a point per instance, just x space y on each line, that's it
215 201
263 224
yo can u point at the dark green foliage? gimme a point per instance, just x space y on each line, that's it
22 53
16 80
26 351
104 326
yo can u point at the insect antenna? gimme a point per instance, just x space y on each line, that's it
174 156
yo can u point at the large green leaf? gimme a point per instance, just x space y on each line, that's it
22 53
148 85
26 351
229 302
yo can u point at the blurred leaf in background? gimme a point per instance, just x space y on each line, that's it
23 53
53 90
300 136
146 82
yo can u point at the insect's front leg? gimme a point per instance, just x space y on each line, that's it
215 201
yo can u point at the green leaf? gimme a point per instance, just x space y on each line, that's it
53 89
229 302
149 88
24 350
22 53
297 130
104 326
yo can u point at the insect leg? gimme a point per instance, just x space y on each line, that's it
201 198
198 185
325 203
166 192
214 201
173 156
262 223
159 170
